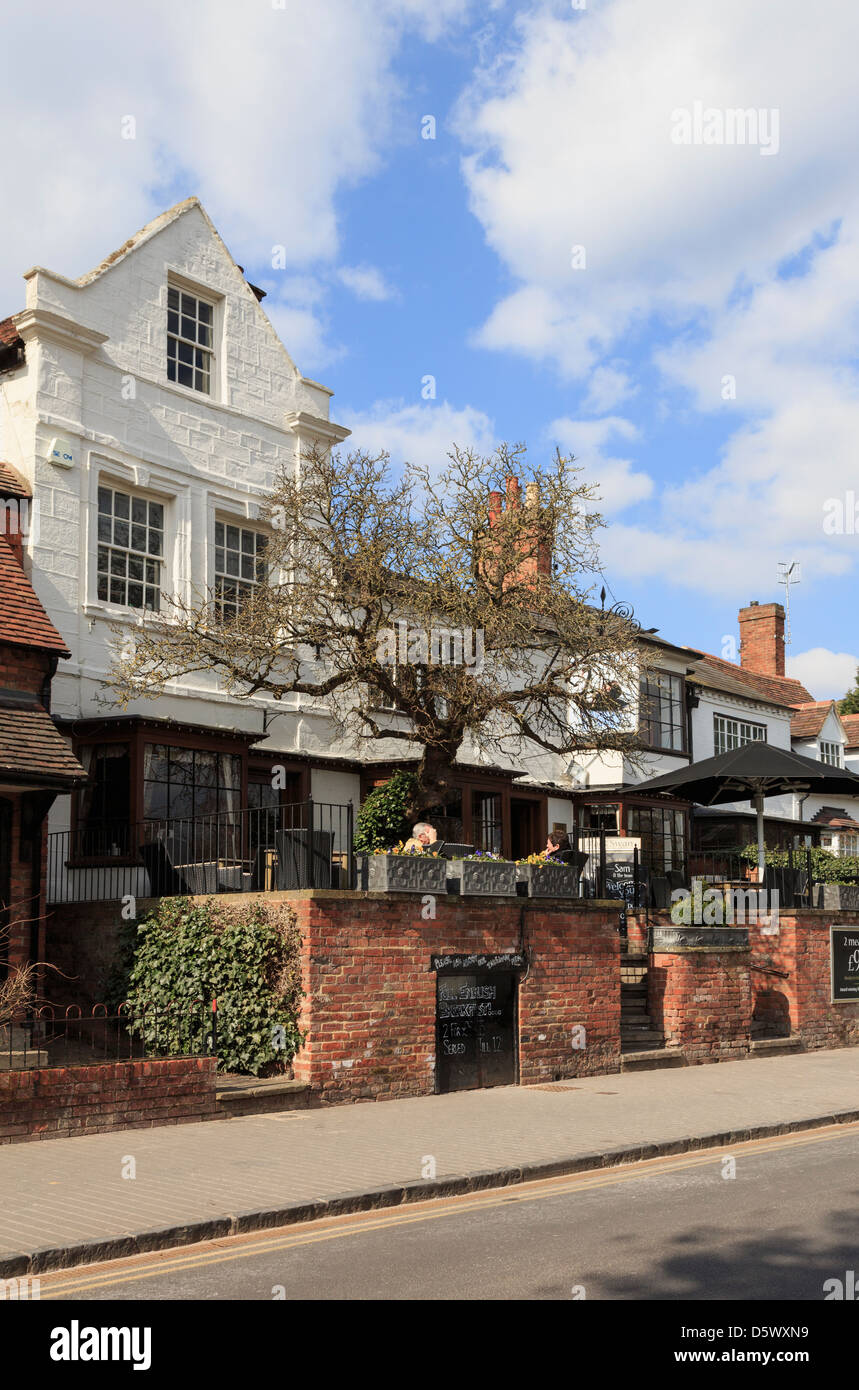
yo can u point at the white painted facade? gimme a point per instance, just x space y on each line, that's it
95 386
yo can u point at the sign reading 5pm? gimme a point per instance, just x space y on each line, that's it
845 964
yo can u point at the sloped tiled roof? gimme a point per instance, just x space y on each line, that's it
810 718
31 748
777 690
851 728
23 620
11 482
719 675
835 816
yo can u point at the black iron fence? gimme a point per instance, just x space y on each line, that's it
640 882
307 844
53 1035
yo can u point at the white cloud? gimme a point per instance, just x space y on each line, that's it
619 485
568 144
421 434
608 387
366 282
266 114
827 675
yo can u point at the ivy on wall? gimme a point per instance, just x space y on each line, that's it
185 954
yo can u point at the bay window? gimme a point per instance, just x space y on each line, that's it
662 713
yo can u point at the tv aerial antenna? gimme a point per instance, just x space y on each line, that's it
788 575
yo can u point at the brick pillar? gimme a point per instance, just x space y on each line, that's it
701 1000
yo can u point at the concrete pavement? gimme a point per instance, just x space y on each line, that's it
73 1201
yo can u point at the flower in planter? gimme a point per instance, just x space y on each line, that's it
540 859
400 849
484 854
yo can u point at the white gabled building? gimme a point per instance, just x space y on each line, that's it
150 405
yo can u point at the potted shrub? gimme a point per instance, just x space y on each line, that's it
482 874
546 878
398 871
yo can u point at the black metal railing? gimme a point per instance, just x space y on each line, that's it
54 1035
307 844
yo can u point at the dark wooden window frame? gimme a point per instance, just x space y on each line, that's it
684 751
135 736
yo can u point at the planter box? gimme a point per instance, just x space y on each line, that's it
837 897
487 878
402 873
549 880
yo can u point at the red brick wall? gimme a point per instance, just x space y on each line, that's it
22 668
55 1102
81 941
801 950
25 904
702 1001
706 1001
370 1000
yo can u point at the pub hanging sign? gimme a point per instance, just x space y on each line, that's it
844 956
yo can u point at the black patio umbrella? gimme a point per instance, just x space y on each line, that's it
755 770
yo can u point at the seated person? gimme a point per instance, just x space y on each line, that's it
556 844
423 835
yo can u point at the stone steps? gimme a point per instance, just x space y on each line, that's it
652 1059
638 1036
253 1095
774 1047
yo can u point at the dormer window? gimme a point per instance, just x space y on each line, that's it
190 340
831 753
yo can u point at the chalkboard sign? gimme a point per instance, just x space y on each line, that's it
476 1029
845 964
620 882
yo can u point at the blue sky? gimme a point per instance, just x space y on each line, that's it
299 124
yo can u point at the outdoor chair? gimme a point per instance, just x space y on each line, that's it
660 892
304 859
165 880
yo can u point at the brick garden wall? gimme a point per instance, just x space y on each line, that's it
707 1001
702 1001
370 1001
81 941
55 1102
801 951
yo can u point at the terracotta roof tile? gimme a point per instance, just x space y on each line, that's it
12 484
32 748
779 690
833 815
851 729
721 676
23 620
810 718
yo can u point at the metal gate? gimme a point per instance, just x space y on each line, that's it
476 1033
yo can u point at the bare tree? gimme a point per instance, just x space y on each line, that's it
423 611
18 989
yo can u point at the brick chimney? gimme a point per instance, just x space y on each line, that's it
538 549
762 638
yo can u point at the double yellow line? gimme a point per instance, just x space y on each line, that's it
63 1284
